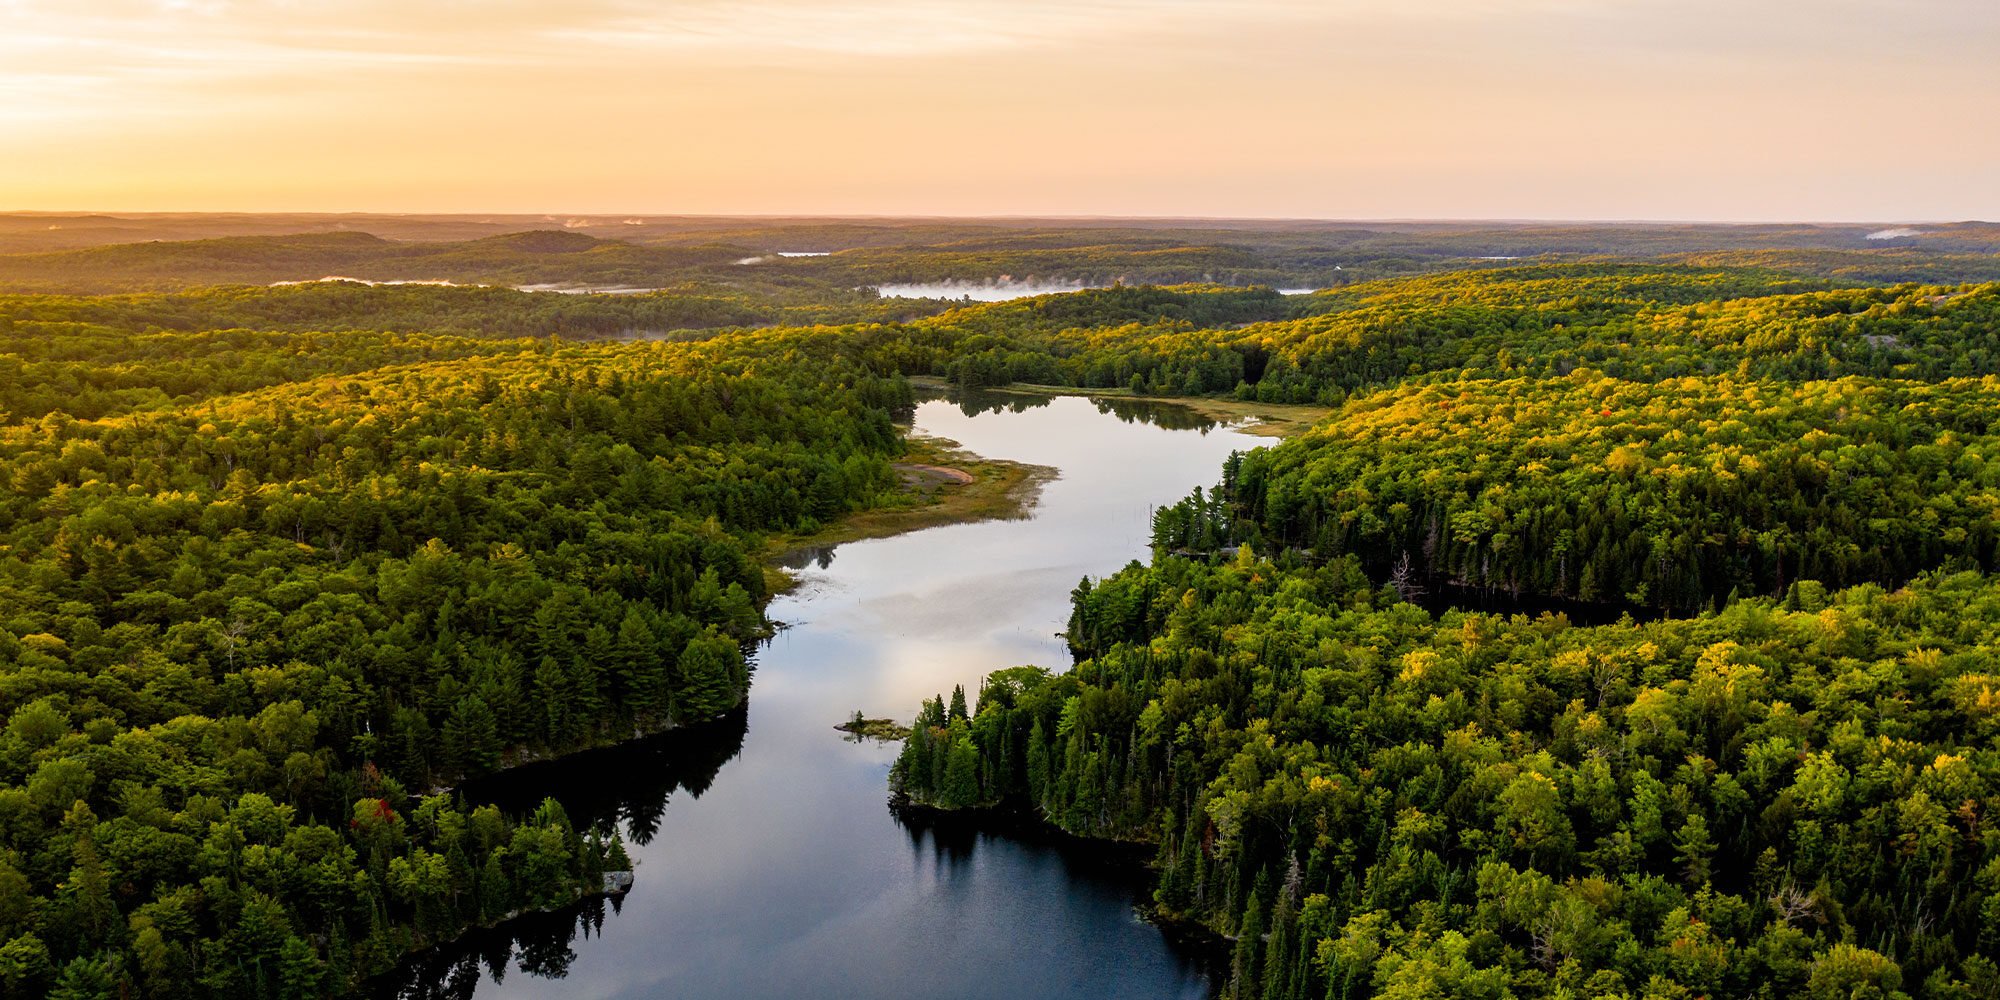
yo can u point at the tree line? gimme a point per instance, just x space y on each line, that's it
1779 784
252 638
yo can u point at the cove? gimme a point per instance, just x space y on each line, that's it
769 863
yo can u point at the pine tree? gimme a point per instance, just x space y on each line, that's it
1693 847
1038 764
496 889
472 737
87 977
586 714
300 971
1280 955
87 905
910 775
25 968
1171 894
706 667
638 668
552 691
1246 966
961 773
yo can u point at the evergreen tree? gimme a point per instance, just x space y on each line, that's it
1246 963
472 737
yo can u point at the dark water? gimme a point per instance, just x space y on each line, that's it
769 864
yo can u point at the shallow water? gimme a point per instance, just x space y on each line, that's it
769 862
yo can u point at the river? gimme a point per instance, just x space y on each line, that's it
769 864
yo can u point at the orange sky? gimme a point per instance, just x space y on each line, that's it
1877 110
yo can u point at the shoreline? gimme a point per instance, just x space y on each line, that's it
1020 821
1276 420
941 484
946 484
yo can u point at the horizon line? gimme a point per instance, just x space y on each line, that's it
647 217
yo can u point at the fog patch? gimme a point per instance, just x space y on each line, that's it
568 288
1899 232
781 254
338 278
997 290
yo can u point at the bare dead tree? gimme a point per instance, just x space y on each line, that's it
1605 673
1922 920
232 636
1403 578
1542 943
1795 905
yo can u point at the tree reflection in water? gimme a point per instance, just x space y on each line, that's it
625 787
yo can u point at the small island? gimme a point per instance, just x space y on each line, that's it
886 730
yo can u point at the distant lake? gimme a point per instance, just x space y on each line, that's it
568 288
338 279
999 290
561 288
769 863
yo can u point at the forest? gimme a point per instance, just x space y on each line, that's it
833 258
1773 775
284 571
271 597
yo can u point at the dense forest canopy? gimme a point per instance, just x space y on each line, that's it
281 589
280 567
1780 783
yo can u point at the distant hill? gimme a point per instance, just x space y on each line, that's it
507 259
55 253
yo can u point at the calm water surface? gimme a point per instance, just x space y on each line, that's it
768 862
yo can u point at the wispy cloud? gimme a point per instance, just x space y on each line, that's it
105 37
1336 100
778 29
66 61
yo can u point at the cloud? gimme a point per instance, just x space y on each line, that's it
782 30
65 63
1345 106
100 37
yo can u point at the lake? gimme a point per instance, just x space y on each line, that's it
769 863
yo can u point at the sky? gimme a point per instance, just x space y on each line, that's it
1726 110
